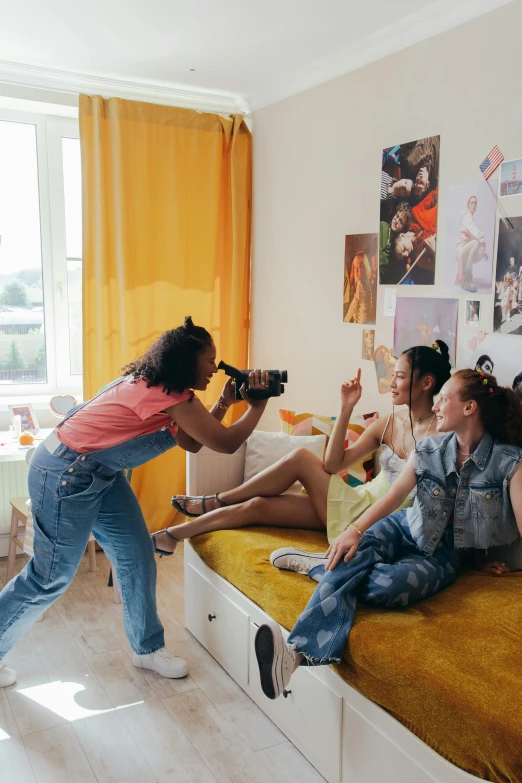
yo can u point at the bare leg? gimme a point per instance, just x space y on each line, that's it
293 511
300 465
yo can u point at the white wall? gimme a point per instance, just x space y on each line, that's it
316 178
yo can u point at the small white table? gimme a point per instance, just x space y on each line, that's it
10 449
13 479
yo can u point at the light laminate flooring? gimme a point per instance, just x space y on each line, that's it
80 712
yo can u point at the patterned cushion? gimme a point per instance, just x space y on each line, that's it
313 424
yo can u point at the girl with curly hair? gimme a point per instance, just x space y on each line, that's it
77 485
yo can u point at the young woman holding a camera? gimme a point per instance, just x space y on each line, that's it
329 502
77 486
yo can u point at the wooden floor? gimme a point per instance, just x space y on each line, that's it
80 712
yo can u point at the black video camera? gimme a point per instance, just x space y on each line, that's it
276 379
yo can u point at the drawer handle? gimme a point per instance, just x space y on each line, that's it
286 693
211 617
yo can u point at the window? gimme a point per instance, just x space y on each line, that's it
40 255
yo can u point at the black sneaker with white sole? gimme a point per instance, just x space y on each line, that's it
275 658
290 559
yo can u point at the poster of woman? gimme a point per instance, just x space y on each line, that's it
408 212
360 279
470 235
385 362
368 344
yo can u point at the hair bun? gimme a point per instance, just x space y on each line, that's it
188 324
443 348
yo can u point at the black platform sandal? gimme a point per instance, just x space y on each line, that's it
162 552
185 498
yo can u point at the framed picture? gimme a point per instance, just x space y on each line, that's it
27 414
472 312
507 317
360 279
368 344
408 212
421 321
511 178
470 235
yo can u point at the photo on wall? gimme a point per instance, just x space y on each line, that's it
385 362
493 353
360 279
408 212
511 178
507 315
470 237
368 344
422 321
472 317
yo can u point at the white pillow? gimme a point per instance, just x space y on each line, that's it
265 448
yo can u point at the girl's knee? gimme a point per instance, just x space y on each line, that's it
255 509
303 456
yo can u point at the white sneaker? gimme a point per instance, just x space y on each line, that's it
290 559
276 659
163 662
7 675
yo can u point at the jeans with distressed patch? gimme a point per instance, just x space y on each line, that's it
388 570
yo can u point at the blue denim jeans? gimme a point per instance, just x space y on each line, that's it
388 569
73 495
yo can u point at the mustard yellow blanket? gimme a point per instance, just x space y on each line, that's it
449 668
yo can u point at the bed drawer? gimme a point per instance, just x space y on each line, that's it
218 623
310 716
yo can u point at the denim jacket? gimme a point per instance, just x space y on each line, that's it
478 498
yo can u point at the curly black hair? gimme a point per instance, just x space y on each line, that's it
171 362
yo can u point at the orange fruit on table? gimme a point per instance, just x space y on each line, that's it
26 439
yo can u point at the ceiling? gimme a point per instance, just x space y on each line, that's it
252 52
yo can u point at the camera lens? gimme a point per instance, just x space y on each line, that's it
284 376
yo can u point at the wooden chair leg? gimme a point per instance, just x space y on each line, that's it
91 549
11 555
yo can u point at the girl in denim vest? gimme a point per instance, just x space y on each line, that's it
77 485
469 497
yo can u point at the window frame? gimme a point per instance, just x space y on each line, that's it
49 132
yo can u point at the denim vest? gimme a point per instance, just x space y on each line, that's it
478 498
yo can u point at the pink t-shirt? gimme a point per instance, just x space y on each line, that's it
122 412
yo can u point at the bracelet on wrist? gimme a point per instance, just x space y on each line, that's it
222 404
359 530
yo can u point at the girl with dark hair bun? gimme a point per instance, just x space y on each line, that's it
77 486
469 499
329 501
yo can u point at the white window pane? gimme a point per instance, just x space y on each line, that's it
72 184
22 340
74 296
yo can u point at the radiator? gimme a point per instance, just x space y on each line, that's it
13 484
209 472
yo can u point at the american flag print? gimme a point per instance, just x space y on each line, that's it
491 163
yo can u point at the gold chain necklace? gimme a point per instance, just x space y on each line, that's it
406 454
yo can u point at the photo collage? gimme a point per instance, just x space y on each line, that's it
404 252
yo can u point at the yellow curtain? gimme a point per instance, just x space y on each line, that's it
167 224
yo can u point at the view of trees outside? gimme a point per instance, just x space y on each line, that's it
22 337
22 310
72 181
